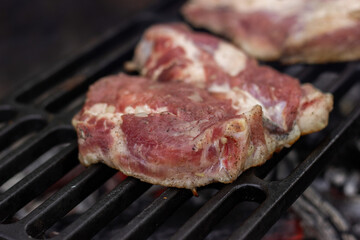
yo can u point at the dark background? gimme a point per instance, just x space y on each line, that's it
35 35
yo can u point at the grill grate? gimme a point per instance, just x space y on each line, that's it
37 117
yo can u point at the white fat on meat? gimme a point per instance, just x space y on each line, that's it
195 69
230 58
143 110
315 107
241 100
237 129
108 111
276 113
195 97
323 17
244 102
103 110
144 50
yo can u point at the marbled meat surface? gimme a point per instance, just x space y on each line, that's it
203 111
312 31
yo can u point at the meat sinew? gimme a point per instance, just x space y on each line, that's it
313 31
172 52
172 134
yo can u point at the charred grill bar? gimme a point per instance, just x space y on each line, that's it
36 119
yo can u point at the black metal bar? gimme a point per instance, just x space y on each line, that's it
247 187
307 74
65 199
345 81
27 152
154 215
283 193
14 231
270 164
20 127
35 87
294 70
105 210
37 181
114 60
7 112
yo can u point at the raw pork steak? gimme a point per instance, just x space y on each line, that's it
312 31
172 134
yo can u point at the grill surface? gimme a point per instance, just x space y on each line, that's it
36 118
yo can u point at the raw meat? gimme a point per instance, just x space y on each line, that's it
172 52
312 31
172 134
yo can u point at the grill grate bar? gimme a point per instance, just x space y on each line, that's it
37 181
154 215
65 199
35 87
105 210
20 127
246 187
269 165
55 103
307 74
345 81
285 192
27 152
6 113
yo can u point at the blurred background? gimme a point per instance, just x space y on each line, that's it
36 35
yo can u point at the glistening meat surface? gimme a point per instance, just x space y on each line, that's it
172 52
172 134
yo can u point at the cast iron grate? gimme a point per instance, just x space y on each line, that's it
36 118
